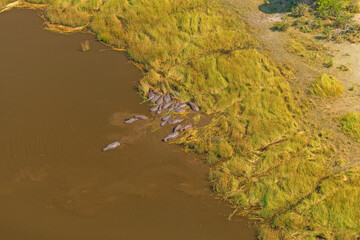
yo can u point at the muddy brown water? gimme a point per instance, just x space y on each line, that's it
59 106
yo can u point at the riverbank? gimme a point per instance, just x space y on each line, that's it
267 158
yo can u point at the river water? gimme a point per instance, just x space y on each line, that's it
58 107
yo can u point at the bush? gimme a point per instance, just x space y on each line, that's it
281 26
332 8
300 10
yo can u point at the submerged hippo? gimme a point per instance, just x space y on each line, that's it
177 128
151 94
193 106
167 105
182 105
185 128
171 136
154 99
167 117
131 120
154 109
141 117
111 146
179 110
159 110
160 100
167 98
175 121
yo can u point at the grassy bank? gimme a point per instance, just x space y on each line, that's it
265 158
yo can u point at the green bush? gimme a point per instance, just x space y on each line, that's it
332 8
300 10
281 26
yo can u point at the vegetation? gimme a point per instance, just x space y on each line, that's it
308 49
326 86
268 162
85 46
350 124
281 26
3 3
331 18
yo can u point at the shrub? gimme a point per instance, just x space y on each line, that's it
332 8
300 10
326 86
281 26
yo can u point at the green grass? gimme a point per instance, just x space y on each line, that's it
326 86
350 124
266 161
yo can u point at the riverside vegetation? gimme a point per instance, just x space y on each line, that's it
269 162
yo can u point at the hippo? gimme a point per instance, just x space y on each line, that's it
157 93
111 146
182 105
171 136
141 117
131 120
185 128
167 117
177 128
166 105
167 98
154 99
154 109
193 106
160 100
151 94
159 110
175 121
163 123
179 110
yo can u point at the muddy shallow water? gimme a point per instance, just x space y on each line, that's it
59 106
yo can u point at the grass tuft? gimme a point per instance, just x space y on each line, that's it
326 86
350 124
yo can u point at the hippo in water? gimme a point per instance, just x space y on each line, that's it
171 136
111 146
167 98
163 123
193 106
177 128
182 105
154 109
154 99
160 100
185 128
141 117
167 117
131 120
179 110
159 109
167 105
151 94
175 121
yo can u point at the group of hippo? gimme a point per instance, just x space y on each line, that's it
168 103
